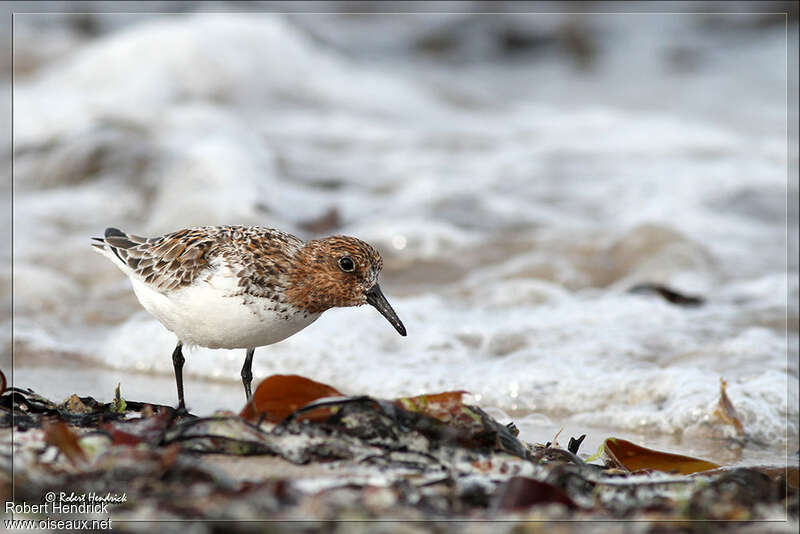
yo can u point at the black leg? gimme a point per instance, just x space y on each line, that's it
177 362
247 372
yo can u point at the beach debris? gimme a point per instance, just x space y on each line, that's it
549 453
575 444
513 429
428 457
277 396
59 435
725 410
74 404
787 476
523 492
28 410
149 429
630 457
443 417
445 407
733 494
554 443
118 405
670 295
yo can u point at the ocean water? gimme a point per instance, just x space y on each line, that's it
519 175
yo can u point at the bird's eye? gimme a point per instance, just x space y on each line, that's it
346 264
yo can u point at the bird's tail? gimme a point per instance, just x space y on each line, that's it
113 239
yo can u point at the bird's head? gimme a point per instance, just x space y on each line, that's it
339 271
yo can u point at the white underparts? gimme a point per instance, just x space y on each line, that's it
210 312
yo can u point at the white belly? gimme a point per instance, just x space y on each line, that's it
208 316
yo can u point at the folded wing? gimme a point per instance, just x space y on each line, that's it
166 262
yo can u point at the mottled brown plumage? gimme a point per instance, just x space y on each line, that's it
178 259
244 286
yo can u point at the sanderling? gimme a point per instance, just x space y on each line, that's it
242 287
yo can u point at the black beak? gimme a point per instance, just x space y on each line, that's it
376 298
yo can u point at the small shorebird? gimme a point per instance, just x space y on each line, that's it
232 287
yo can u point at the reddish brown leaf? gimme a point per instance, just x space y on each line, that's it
631 457
59 435
279 395
2 382
120 437
134 431
726 411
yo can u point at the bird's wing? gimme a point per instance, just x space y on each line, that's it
166 262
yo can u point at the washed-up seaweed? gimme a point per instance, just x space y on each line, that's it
29 410
354 427
359 457
670 295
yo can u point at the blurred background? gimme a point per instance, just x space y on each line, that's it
520 173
